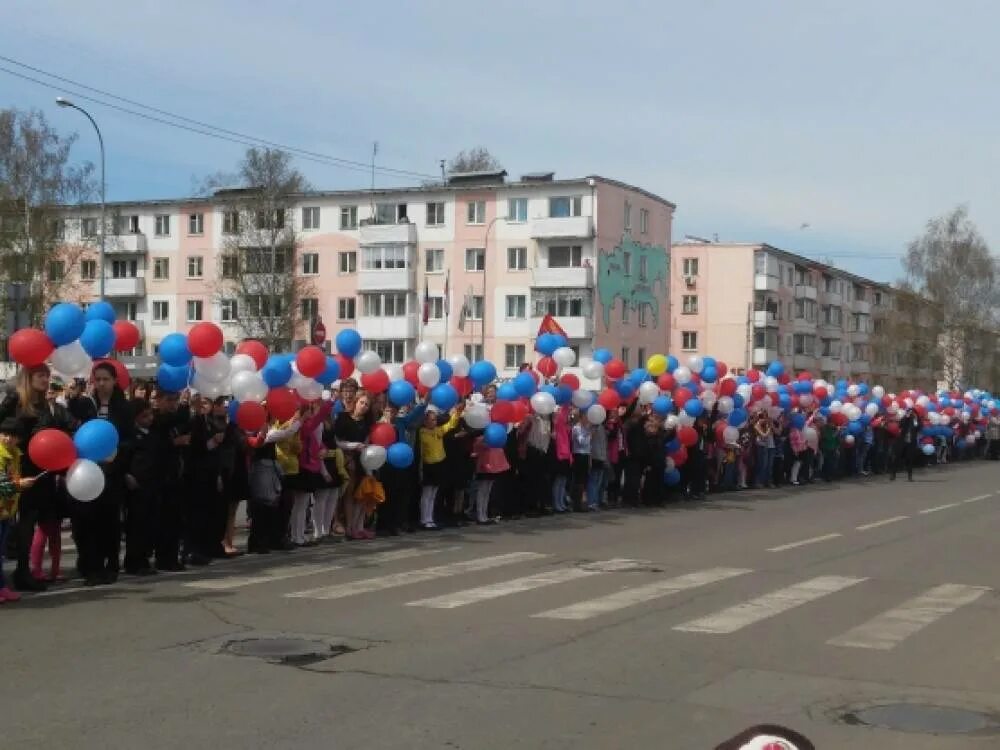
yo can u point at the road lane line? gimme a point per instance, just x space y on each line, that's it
936 508
520 585
640 594
977 498
883 522
763 607
413 576
888 629
803 542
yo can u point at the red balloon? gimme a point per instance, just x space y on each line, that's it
727 387
375 382
547 366
521 410
122 377
422 390
615 369
205 339
839 419
757 392
753 375
126 335
570 380
29 347
311 361
784 378
383 434
721 368
820 391
502 411
680 456
687 435
666 382
462 385
609 398
720 431
892 428
251 416
681 396
805 375
346 365
254 349
920 410
410 373
52 450
282 403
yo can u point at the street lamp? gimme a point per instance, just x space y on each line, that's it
63 102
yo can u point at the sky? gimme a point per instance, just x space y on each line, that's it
860 120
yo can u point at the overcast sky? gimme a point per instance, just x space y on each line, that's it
755 117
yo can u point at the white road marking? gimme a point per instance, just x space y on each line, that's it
883 522
735 618
977 498
639 594
936 508
889 628
413 576
520 585
803 542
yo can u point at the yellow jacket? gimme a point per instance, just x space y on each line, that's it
338 457
432 440
286 452
10 464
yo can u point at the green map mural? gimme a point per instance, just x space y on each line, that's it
612 283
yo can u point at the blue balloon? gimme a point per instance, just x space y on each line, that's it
495 435
173 350
638 376
775 369
798 421
673 446
348 342
444 396
552 390
96 440
524 384
231 408
663 405
507 392
100 311
784 401
737 417
603 356
482 373
64 323
672 477
694 407
401 393
709 374
98 338
855 427
276 372
546 344
671 363
399 455
173 379
330 373
709 361
742 380
560 340
625 388
445 369
564 394
738 400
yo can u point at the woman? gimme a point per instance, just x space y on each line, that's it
534 437
561 458
765 449
139 389
335 477
311 468
267 522
581 438
351 429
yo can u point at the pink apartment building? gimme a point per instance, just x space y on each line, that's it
592 252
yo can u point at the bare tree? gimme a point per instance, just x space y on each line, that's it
477 159
258 276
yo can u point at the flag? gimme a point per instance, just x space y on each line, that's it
463 313
447 285
549 325
427 302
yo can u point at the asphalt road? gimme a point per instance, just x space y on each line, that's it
669 628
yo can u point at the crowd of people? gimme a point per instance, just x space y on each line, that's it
183 467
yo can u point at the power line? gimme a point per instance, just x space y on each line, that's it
202 128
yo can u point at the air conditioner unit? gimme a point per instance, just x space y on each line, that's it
689 281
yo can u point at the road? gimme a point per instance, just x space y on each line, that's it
667 628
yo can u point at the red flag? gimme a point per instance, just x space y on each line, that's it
427 302
549 325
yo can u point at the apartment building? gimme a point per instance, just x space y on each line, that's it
751 303
494 256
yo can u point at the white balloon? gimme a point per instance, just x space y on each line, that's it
564 356
771 384
582 399
695 363
210 389
746 391
395 373
682 375
708 398
477 416
809 433
684 419
310 390
593 370
427 352
725 404
367 362
923 400
373 457
871 410
669 465
670 422
248 386
215 368
543 403
836 407
459 365
805 400
878 391
648 392
853 390
934 418
596 414
849 439
297 379
84 480
71 359
429 374
242 363
730 434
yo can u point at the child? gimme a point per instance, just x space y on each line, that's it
432 458
335 476
490 463
11 484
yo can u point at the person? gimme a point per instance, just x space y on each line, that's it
580 439
829 439
800 452
616 456
862 450
490 464
459 473
693 471
906 444
207 507
172 426
534 436
765 450
432 460
597 480
310 477
993 435
335 478
267 522
143 483
400 483
351 429
12 483
57 392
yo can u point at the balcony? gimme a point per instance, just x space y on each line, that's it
765 283
133 286
804 325
803 291
125 244
862 306
764 356
829 327
576 327
563 228
804 362
829 364
387 279
833 298
860 366
393 327
764 319
860 337
387 234
580 277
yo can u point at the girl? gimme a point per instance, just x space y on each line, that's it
11 484
797 442
490 463
561 455
267 528
310 478
581 437
351 430
432 457
335 477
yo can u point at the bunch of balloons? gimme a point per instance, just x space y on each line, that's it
80 457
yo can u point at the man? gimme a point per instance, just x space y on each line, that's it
906 444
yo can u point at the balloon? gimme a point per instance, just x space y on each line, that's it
401 393
524 385
609 399
648 392
593 370
51 449
508 392
373 457
570 380
214 368
376 382
694 407
927 450
462 385
695 363
662 405
242 363
543 403
173 350
725 404
366 362
248 386
383 434
687 435
64 323
311 361
477 416
29 347
502 411
254 349
709 374
282 404
173 379
564 356
346 365
444 396
495 435
682 375
624 388
348 343
672 477
656 365
427 352
582 399
547 366
596 414
545 344
251 416
96 440
277 372
738 417
100 310
331 372
614 369
482 373
428 374
399 455
84 480
459 365
205 339
71 359
126 335
878 391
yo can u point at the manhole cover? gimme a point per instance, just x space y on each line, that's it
923 718
296 651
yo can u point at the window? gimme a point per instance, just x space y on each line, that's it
228 310
435 214
195 268
435 308
642 315
475 259
346 308
643 267
272 220
196 223
161 268
57 228
230 266
804 344
474 352
263 306
564 206
628 216
161 311
689 340
517 210
565 256
690 304
124 269
390 351
348 217
627 263
830 348
88 270
347 261
640 357
310 308
194 310
513 356
434 260
860 293
690 266
517 307
561 302
805 309
384 258
766 338
310 263
131 311
88 228
475 212
390 304
162 225
57 270
625 311
858 352
517 258
643 220
475 307
128 224
390 213
626 353
310 217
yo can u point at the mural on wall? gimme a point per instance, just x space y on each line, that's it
637 288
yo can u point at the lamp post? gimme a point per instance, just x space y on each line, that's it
486 242
63 102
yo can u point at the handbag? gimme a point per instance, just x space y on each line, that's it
265 482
